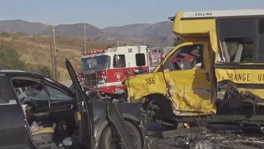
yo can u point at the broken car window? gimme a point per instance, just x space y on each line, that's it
57 95
32 90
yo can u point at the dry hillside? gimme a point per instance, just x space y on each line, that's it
35 50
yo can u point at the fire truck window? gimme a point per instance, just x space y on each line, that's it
187 57
96 63
140 59
119 61
238 50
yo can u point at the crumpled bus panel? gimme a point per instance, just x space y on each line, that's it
187 93
179 89
246 80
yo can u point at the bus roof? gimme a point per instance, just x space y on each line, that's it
223 13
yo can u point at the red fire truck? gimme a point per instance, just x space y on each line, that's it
103 70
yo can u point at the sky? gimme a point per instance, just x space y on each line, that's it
107 13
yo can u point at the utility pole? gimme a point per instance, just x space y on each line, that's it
84 38
54 55
52 60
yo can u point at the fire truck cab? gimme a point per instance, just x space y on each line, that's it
103 70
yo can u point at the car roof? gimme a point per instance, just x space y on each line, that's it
21 73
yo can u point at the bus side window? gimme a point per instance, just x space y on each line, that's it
237 50
237 39
119 61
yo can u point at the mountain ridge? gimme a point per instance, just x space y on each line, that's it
158 34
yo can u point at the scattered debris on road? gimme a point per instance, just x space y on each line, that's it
204 138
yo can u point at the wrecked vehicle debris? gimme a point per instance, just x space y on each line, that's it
214 76
37 112
211 136
207 140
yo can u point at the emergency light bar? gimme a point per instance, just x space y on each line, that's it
96 51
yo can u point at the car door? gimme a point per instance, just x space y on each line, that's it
86 115
12 126
187 72
84 106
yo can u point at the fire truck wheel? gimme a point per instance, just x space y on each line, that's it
110 139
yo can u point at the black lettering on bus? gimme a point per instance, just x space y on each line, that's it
239 76
230 76
248 76
203 14
260 77
150 81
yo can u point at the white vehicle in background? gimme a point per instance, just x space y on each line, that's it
156 55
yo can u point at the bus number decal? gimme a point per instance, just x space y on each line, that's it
150 81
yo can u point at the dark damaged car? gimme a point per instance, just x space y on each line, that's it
37 112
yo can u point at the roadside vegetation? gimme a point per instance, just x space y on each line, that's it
9 59
32 52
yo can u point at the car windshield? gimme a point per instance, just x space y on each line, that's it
96 63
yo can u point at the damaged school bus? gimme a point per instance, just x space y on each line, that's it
216 74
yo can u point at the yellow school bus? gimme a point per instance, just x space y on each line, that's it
218 70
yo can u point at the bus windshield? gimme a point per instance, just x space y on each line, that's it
96 63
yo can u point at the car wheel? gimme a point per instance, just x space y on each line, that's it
111 140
